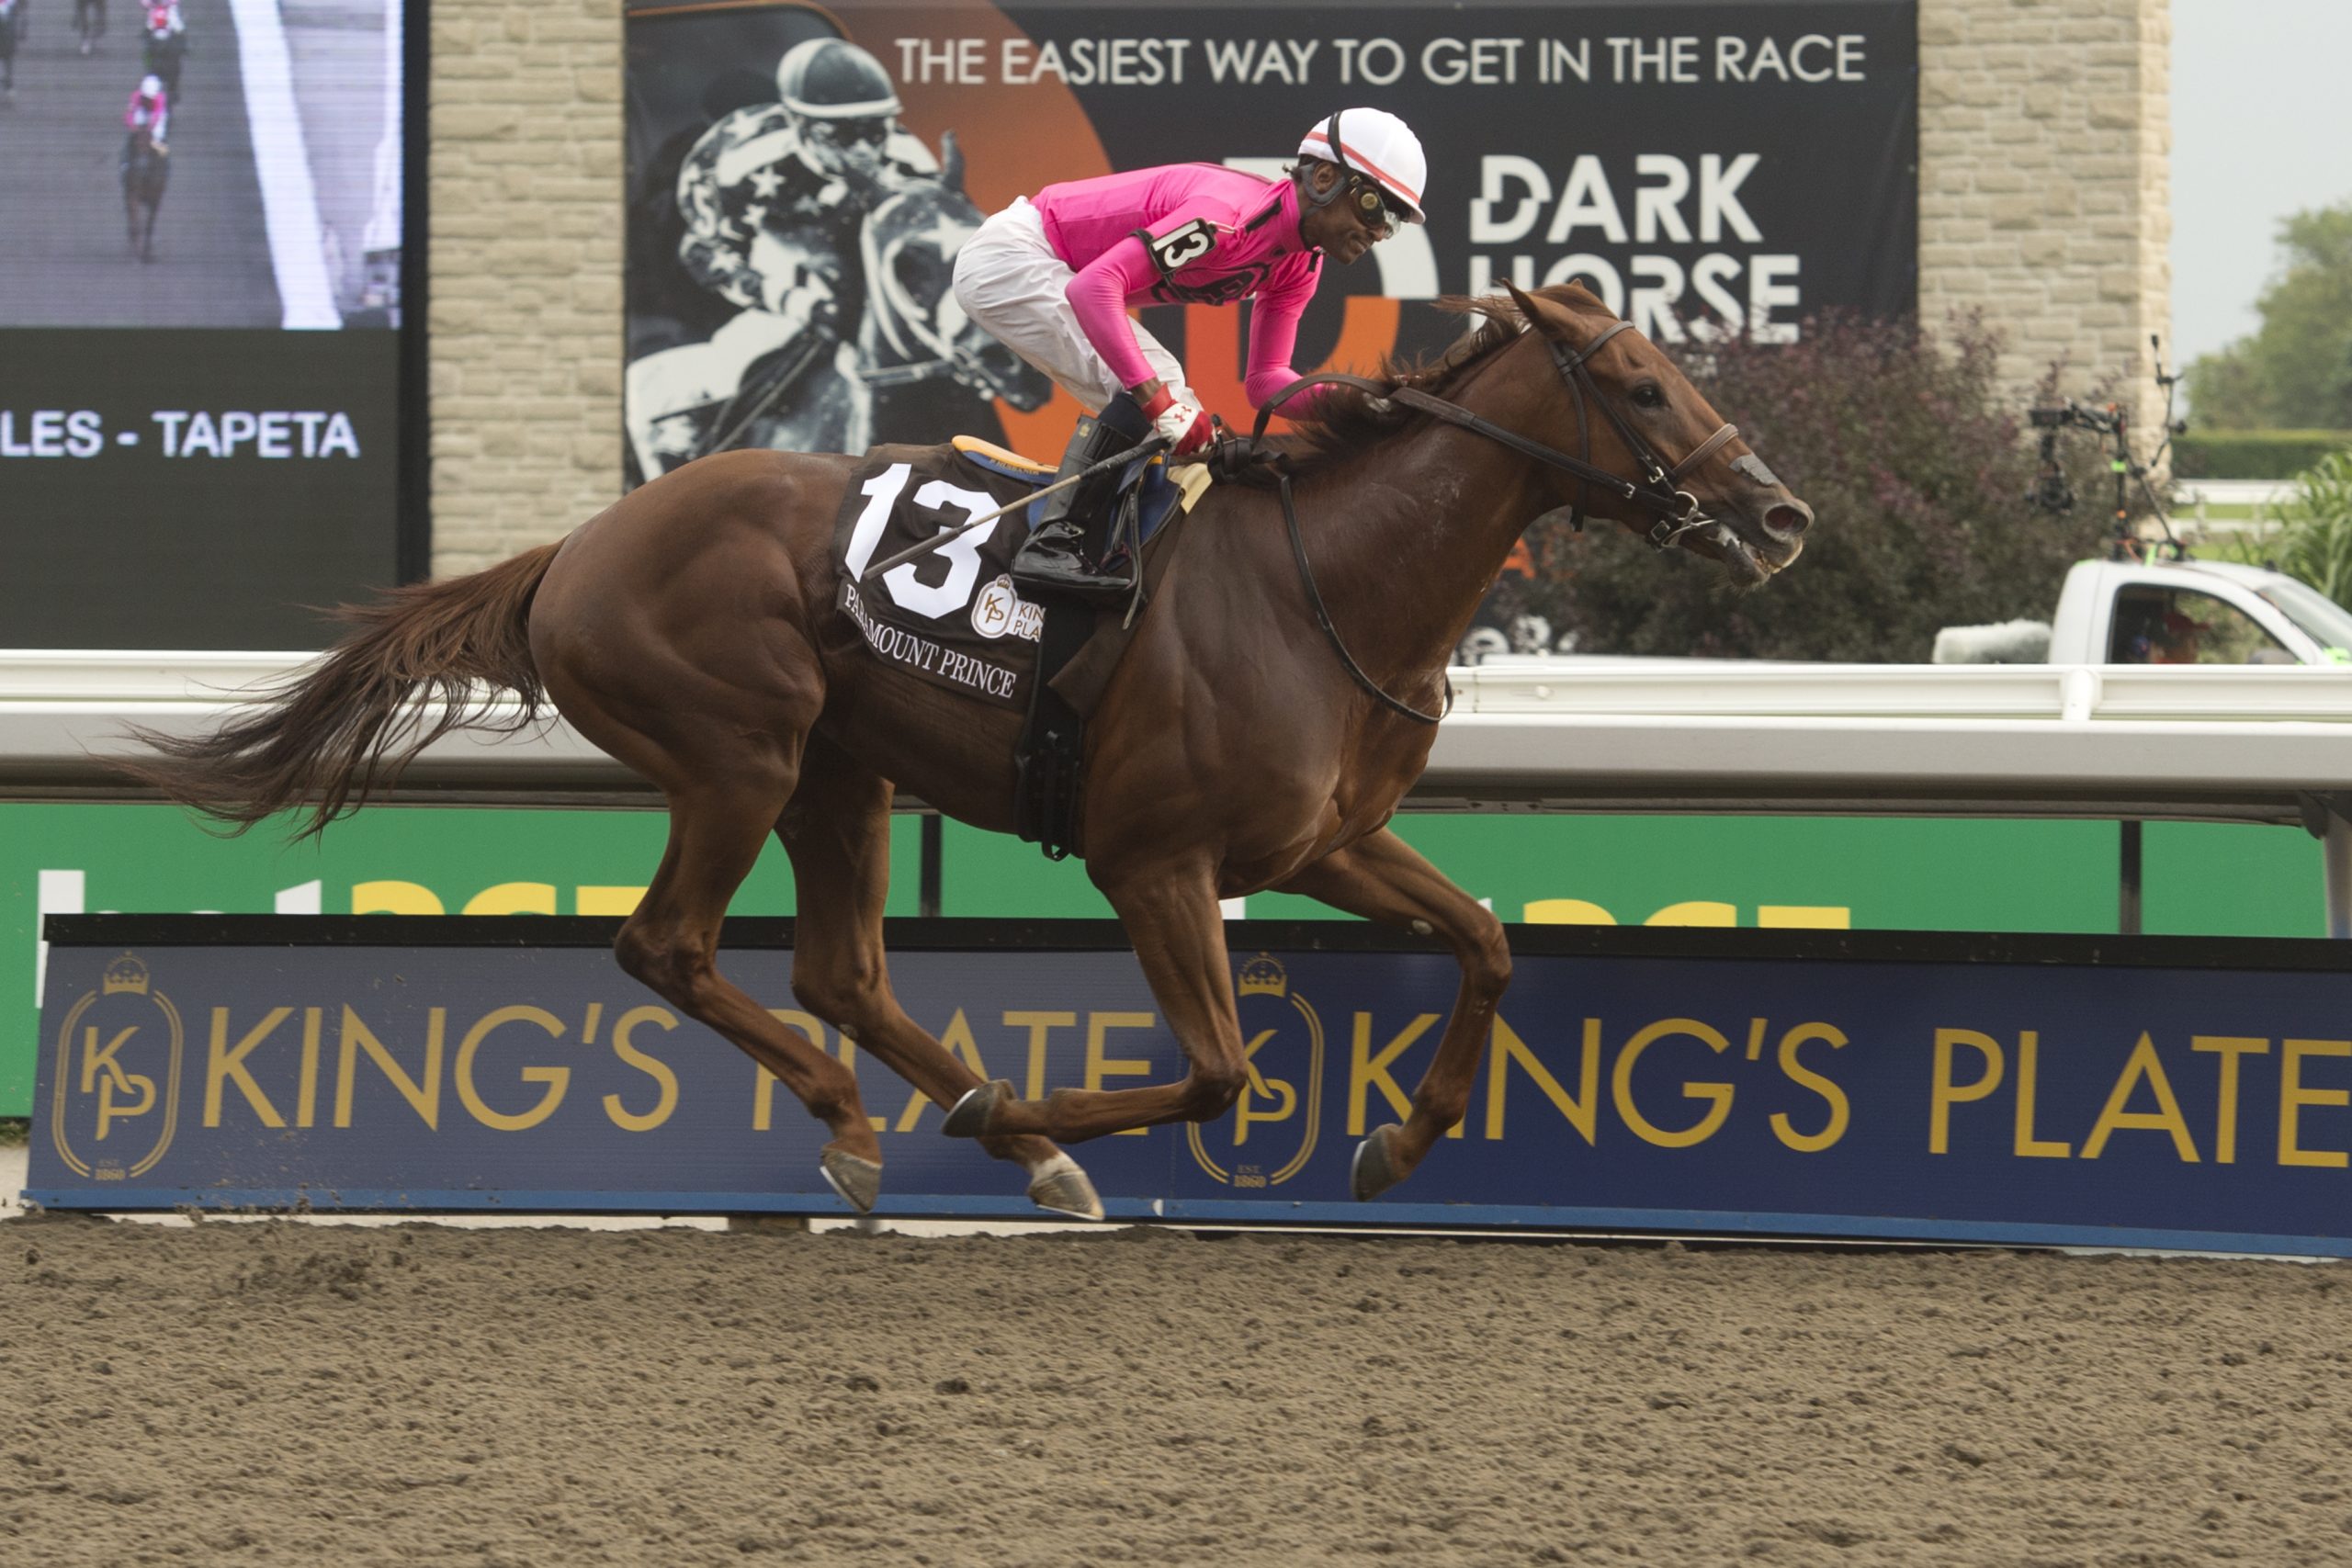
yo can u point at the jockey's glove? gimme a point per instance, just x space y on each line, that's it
805 292
1177 420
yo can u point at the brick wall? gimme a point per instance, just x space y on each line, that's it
2044 131
2045 135
525 247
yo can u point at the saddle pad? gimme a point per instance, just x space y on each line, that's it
954 617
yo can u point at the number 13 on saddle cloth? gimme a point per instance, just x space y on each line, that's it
953 617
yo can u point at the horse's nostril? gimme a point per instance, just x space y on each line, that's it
1789 518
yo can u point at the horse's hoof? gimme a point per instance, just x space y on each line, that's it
859 1181
969 1117
1061 1188
1374 1170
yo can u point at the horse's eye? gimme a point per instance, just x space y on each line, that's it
1649 395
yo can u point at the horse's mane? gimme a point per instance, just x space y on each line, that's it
1349 420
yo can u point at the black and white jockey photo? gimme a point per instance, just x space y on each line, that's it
791 245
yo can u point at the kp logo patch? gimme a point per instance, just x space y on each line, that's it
1000 609
1276 1120
118 1089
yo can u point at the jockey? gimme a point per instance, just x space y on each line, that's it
166 42
773 194
150 107
1052 277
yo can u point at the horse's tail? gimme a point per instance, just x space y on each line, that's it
349 723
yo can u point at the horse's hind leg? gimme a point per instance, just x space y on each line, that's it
1383 878
837 830
671 942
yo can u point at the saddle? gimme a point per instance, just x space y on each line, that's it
955 617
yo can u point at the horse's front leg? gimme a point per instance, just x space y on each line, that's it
1171 916
1383 878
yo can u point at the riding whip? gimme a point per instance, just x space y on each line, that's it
948 536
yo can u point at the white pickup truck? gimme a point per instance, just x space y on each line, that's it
2166 612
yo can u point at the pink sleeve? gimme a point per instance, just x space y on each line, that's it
1273 337
1098 294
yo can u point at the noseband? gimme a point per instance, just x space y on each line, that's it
1658 489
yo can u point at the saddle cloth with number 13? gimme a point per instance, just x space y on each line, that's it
953 617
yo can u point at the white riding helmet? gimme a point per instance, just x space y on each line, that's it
151 85
1377 145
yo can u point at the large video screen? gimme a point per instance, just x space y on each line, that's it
1705 166
210 397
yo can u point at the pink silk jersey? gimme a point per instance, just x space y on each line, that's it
1185 234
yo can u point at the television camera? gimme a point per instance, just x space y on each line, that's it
2053 492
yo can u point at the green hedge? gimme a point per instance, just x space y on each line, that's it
2253 454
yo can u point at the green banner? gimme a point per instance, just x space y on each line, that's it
1862 874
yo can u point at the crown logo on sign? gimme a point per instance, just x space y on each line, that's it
125 973
1263 975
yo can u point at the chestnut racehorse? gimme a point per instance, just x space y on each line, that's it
690 630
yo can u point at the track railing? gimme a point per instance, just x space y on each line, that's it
2120 742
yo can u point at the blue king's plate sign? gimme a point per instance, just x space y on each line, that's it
2193 1095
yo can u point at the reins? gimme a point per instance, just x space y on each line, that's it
1678 510
1323 618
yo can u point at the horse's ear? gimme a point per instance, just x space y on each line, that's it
1527 308
951 163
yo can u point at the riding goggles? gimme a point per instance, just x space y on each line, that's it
850 132
1374 209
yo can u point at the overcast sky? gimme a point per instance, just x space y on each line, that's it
2261 128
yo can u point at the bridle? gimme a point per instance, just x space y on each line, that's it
902 322
1658 489
925 351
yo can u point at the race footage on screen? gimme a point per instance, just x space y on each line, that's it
201 418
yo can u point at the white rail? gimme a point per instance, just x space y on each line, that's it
2258 744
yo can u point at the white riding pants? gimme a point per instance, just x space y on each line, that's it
1009 279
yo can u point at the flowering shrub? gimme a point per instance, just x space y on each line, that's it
1917 466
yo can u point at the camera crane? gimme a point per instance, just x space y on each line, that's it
2053 492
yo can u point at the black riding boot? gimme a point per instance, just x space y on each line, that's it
1062 556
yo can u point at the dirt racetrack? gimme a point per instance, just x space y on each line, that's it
310 1395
